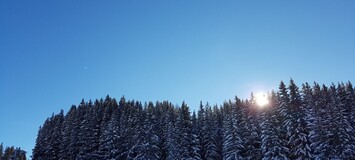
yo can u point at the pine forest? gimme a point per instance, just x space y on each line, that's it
310 121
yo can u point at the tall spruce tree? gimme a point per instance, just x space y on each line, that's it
184 130
297 126
1 151
271 144
232 141
195 139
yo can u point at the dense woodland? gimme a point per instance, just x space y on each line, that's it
311 122
11 153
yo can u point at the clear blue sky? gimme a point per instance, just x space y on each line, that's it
54 53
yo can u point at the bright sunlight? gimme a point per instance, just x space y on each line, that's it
261 99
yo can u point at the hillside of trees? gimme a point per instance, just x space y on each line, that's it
311 122
11 153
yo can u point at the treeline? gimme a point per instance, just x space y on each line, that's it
311 122
12 153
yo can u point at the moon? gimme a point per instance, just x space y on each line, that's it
261 99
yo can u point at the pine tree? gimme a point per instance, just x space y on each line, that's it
210 143
55 135
90 128
136 132
201 127
9 153
67 130
326 119
232 141
1 151
195 139
37 150
49 137
19 154
218 131
343 129
184 130
313 119
317 134
12 153
271 144
297 126
283 115
172 144
250 118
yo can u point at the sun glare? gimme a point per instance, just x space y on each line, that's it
261 99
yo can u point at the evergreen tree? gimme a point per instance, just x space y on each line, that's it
271 144
343 129
211 147
232 141
297 126
9 153
201 127
184 130
1 151
250 118
315 103
135 132
195 139
171 132
12 153
55 136
67 131
218 131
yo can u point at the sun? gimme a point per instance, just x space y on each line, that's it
261 99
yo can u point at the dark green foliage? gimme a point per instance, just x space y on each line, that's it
12 153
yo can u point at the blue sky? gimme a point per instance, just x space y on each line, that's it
54 53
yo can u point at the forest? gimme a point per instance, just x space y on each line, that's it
11 153
312 121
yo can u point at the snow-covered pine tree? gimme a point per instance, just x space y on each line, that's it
9 153
201 129
317 134
108 148
297 126
232 142
209 141
195 139
327 108
1 151
147 144
184 130
250 118
271 144
76 132
125 131
135 131
20 154
218 131
311 100
92 131
49 138
345 147
283 115
172 133
66 132
55 136
37 151
12 153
